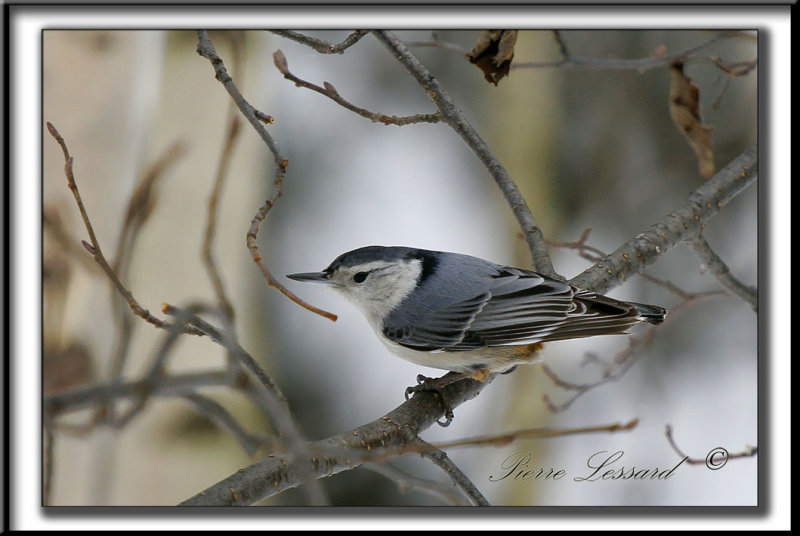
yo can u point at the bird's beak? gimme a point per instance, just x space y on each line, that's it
312 277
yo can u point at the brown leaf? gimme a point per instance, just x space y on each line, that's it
493 53
684 107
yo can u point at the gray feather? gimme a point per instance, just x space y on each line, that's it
483 304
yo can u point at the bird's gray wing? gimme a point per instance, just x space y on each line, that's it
516 307
436 330
524 308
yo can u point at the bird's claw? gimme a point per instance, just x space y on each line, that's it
430 384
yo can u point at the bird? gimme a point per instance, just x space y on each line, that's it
467 315
461 313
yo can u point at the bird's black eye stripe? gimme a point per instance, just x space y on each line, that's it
360 277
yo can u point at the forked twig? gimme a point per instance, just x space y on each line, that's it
206 49
329 91
94 247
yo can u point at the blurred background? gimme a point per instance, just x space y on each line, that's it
589 147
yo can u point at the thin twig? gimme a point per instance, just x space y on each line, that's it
389 436
274 401
80 398
562 45
226 341
233 131
53 224
407 482
594 254
624 360
329 91
536 433
141 205
456 475
437 42
152 378
643 249
711 261
747 453
206 49
323 47
94 247
223 419
454 117
639 64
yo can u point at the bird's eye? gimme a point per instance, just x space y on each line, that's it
360 277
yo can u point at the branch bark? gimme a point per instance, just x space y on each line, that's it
338 453
717 266
682 223
453 116
401 426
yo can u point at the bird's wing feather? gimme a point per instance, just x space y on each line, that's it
518 307
442 329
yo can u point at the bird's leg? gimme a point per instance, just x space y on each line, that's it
438 384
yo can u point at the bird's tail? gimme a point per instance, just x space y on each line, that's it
650 313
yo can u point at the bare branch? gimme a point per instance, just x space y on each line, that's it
454 117
94 247
747 453
625 359
685 221
206 49
222 418
396 433
140 207
407 482
173 385
274 402
401 426
329 91
278 400
639 64
323 47
562 45
717 266
341 452
439 457
233 131
437 42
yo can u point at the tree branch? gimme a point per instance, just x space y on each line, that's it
338 453
407 482
683 222
206 49
400 428
94 247
329 91
710 460
454 117
461 481
717 266
323 47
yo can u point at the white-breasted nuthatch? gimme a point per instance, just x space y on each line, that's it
464 314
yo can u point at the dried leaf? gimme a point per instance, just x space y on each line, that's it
684 107
493 53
